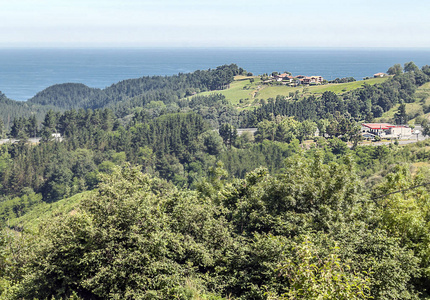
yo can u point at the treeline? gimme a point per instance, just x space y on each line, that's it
177 147
214 109
57 169
171 94
160 95
342 80
137 92
11 110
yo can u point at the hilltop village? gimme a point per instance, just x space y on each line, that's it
288 79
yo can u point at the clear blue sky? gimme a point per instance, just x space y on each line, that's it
220 23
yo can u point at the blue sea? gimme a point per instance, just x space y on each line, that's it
24 72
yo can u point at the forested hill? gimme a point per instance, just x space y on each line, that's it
167 89
11 110
69 95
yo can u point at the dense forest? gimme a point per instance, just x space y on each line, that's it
11 110
121 97
145 190
137 92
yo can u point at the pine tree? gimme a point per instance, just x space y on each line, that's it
400 116
1 128
228 133
32 129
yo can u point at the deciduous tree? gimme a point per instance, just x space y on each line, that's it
395 70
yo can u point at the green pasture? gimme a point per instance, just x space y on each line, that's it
239 89
424 87
243 93
340 88
411 109
272 91
423 93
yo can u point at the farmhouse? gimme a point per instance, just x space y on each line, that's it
314 80
299 79
284 77
386 130
379 75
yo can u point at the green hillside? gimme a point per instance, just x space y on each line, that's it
140 90
46 211
242 92
416 110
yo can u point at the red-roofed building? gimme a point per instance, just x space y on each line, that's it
376 126
379 75
385 129
284 76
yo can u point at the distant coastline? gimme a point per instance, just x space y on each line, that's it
26 71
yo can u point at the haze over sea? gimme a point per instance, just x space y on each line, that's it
24 72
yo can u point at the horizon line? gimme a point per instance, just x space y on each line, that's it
213 47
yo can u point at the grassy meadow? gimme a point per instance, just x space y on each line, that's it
245 94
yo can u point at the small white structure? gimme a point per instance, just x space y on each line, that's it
56 137
400 130
251 130
379 75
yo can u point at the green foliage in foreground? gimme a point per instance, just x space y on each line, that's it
313 277
138 237
309 233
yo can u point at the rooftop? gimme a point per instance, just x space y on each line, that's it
383 126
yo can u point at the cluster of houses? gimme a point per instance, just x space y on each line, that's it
385 130
288 79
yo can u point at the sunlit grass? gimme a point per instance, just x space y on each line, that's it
422 98
45 211
243 93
